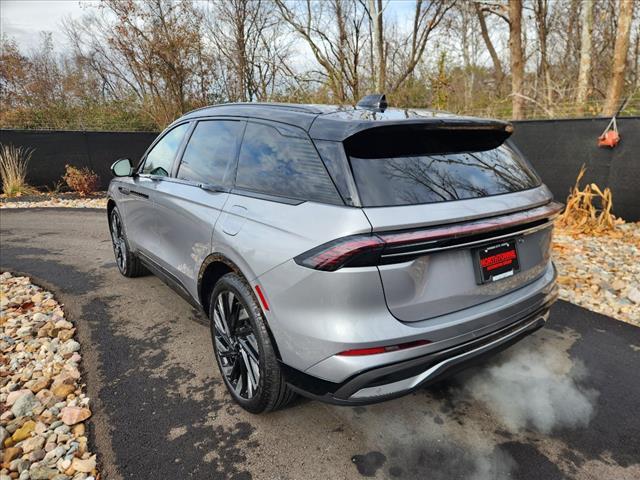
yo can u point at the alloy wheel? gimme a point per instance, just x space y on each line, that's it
119 244
236 344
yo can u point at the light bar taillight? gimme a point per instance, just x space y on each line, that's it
366 249
389 348
354 251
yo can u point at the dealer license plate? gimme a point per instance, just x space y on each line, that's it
496 261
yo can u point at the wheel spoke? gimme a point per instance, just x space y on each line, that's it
222 315
252 368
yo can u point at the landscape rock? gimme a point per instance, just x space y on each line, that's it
42 473
40 386
601 272
23 432
73 415
31 444
24 405
85 466
10 454
13 396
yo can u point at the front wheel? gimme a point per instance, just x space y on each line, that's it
243 349
128 264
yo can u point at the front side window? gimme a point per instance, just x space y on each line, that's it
161 156
286 166
211 152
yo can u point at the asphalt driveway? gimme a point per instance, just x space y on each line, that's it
563 403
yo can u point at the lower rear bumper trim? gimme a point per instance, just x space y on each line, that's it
390 381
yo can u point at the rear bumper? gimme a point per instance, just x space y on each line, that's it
397 379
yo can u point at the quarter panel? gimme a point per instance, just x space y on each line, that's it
265 234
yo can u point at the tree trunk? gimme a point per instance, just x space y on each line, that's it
497 65
616 84
517 59
375 7
585 56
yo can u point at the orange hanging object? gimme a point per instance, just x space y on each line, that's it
610 137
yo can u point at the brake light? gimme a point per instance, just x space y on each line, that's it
366 249
354 251
389 348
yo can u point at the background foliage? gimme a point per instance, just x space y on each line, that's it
137 65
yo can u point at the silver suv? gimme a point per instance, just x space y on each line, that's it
348 254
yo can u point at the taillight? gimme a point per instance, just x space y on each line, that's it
392 247
353 251
389 348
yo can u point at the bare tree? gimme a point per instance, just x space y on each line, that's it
375 11
253 48
333 30
497 65
585 55
153 49
517 59
427 16
541 13
616 83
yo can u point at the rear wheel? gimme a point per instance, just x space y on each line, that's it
243 349
128 264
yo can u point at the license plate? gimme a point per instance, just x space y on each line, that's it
496 261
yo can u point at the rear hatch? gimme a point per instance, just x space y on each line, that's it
463 217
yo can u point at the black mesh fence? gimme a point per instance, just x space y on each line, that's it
556 148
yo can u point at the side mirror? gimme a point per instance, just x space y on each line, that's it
122 168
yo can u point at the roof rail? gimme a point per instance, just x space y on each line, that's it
287 106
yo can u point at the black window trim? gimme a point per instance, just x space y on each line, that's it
290 200
183 148
143 160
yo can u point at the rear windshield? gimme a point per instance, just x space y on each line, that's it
408 180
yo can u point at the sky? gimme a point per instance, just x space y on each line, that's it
23 20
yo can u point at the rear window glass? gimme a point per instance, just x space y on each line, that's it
286 166
409 180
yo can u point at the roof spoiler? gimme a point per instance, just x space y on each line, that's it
428 138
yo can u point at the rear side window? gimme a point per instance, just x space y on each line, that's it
211 152
160 158
286 166
408 180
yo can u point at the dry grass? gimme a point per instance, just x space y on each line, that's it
13 170
588 210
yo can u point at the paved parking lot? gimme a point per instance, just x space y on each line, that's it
561 404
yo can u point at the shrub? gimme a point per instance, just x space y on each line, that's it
81 180
13 170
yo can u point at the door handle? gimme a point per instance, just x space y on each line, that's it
143 195
124 190
211 188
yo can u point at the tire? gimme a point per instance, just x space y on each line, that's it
243 349
128 264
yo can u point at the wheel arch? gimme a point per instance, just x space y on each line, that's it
214 267
111 204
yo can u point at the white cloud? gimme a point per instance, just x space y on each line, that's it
24 20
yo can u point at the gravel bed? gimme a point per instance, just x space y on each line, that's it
42 402
601 272
55 202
